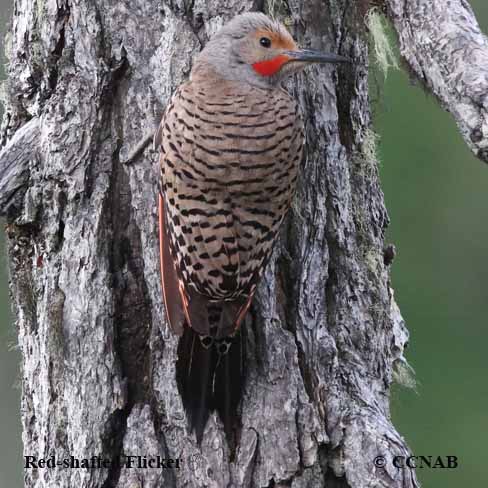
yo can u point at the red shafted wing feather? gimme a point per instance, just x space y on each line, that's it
173 301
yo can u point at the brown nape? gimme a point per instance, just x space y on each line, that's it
278 41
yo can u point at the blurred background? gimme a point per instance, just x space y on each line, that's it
435 193
436 196
11 473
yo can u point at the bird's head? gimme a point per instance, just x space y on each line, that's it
258 50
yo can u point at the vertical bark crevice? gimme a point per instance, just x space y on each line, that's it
113 441
132 303
57 53
333 481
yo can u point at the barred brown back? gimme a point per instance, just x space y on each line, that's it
230 154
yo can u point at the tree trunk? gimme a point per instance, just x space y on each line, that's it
87 81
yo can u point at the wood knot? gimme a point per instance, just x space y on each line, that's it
389 254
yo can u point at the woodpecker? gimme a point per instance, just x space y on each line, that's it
230 142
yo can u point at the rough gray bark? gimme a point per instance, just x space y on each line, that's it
15 164
87 81
446 50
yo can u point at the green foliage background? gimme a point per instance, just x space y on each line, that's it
436 196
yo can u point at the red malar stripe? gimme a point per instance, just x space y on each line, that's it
272 66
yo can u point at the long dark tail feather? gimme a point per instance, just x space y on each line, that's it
209 380
229 383
193 368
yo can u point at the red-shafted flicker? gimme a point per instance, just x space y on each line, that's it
231 142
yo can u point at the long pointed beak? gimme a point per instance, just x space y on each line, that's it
311 56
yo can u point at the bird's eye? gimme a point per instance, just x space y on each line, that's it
265 42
